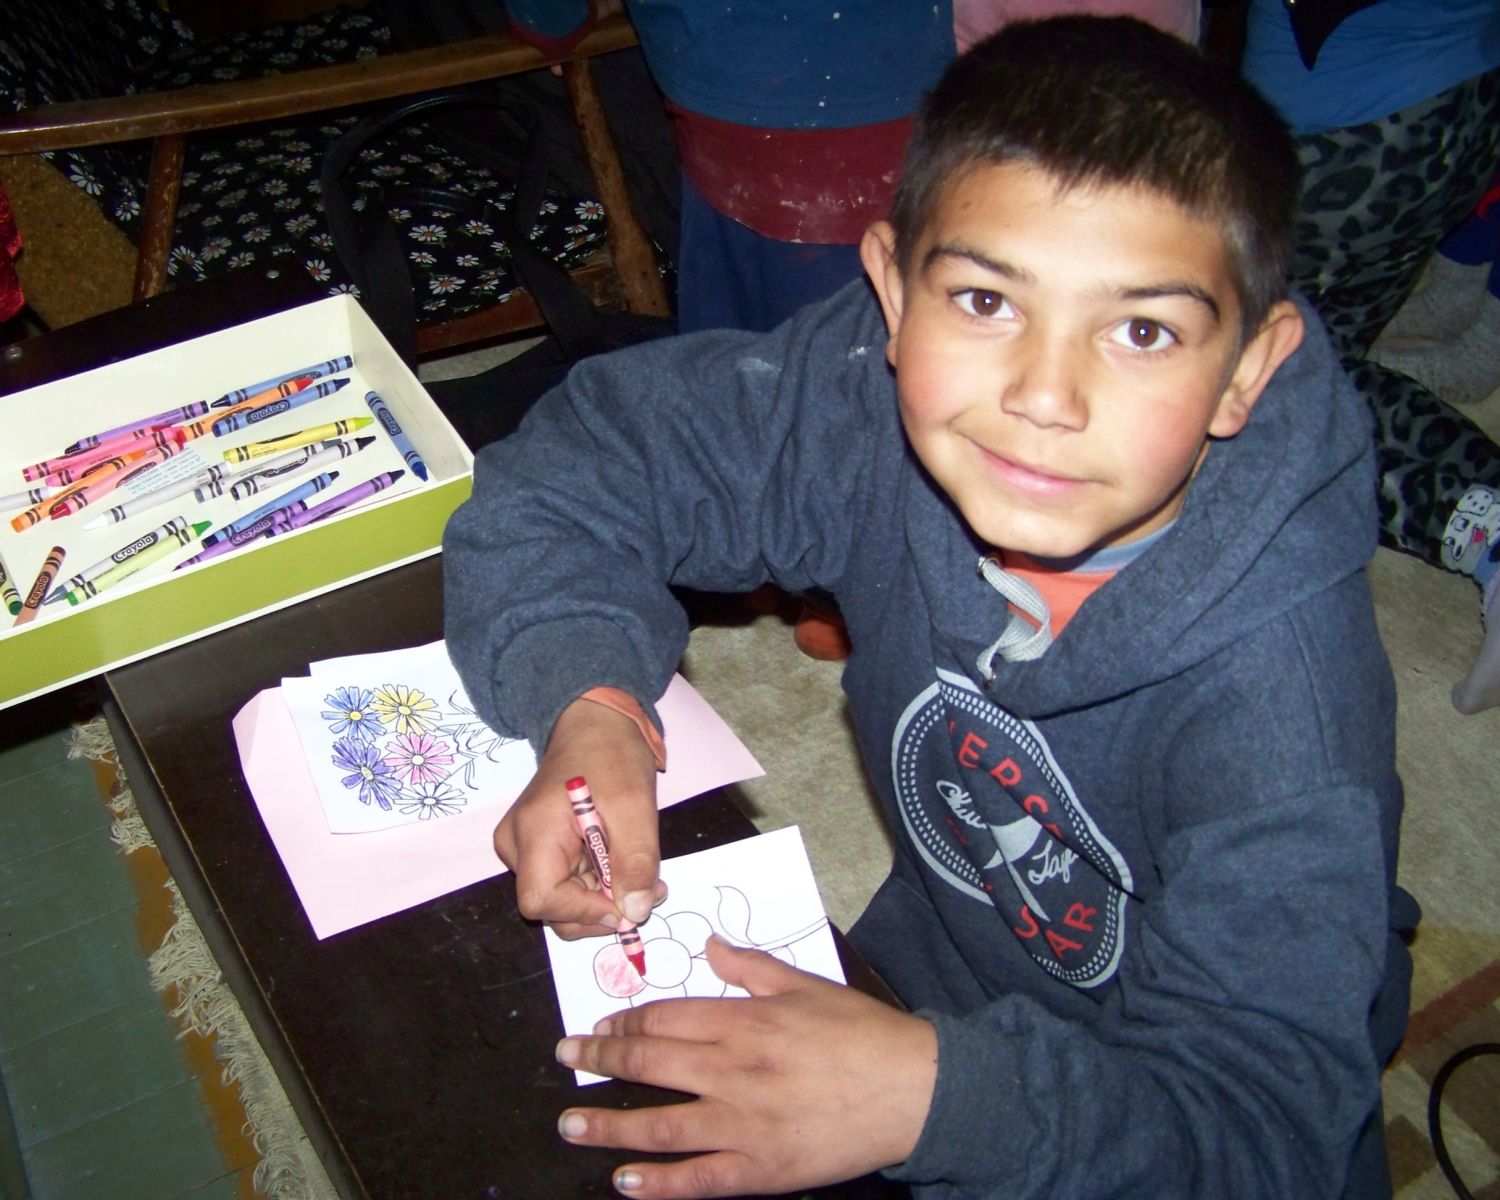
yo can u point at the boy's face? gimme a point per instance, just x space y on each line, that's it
1063 357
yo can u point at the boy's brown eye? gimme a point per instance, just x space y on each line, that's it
1144 334
987 304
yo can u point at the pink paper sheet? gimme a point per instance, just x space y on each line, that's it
345 880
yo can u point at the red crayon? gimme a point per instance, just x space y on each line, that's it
591 829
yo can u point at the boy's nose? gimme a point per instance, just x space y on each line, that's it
1044 385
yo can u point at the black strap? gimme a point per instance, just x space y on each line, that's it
371 249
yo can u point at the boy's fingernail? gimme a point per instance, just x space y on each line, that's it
610 921
637 906
572 1124
567 1051
627 1181
605 1027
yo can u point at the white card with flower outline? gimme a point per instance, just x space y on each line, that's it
391 739
757 892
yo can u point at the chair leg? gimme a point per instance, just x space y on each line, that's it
634 260
159 215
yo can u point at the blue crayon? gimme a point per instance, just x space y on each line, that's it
274 408
273 470
332 367
388 421
301 492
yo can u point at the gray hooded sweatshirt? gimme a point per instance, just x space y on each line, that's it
1144 883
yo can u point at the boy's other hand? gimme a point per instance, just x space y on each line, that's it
804 1083
538 838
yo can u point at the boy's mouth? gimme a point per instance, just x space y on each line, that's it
1033 481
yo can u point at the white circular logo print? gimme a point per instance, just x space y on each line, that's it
993 815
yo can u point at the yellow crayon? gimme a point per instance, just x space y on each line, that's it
291 441
51 569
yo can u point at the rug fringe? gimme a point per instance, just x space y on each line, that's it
289 1168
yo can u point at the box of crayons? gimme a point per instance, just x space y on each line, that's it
163 497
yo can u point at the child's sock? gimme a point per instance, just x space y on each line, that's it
1444 305
1471 545
1480 688
1463 370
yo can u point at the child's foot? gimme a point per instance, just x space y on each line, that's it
1480 689
1462 370
820 634
1443 306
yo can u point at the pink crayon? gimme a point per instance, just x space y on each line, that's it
591 829
103 486
57 470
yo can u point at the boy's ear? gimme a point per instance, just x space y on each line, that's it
877 251
1279 335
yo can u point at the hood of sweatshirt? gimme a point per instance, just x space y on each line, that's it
1265 525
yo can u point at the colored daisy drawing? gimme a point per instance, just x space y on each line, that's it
376 780
407 709
431 800
350 713
419 758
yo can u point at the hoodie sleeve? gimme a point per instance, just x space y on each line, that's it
691 462
1235 1053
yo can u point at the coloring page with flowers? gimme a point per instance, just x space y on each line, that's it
391 739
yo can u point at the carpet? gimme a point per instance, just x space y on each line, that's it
201 1004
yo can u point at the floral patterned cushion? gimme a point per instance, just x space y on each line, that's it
250 195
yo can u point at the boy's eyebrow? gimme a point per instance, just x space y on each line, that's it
1010 271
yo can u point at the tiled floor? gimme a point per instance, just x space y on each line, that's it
100 1097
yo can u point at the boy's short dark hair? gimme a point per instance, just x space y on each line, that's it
1113 101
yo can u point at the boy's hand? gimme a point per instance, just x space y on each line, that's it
538 838
804 1083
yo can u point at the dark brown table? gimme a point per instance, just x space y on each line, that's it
417 1050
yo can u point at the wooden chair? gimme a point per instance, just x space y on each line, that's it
627 276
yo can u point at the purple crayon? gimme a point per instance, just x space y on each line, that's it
355 495
275 524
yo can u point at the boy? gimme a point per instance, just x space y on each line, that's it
1140 762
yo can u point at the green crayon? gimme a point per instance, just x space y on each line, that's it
10 596
174 541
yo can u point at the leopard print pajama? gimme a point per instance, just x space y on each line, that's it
1376 200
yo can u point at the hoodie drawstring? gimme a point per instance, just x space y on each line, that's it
1021 640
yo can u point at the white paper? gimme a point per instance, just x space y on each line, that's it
391 739
758 892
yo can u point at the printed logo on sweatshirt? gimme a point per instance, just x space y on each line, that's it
993 815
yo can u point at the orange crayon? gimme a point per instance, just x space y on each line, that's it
94 488
591 829
51 569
